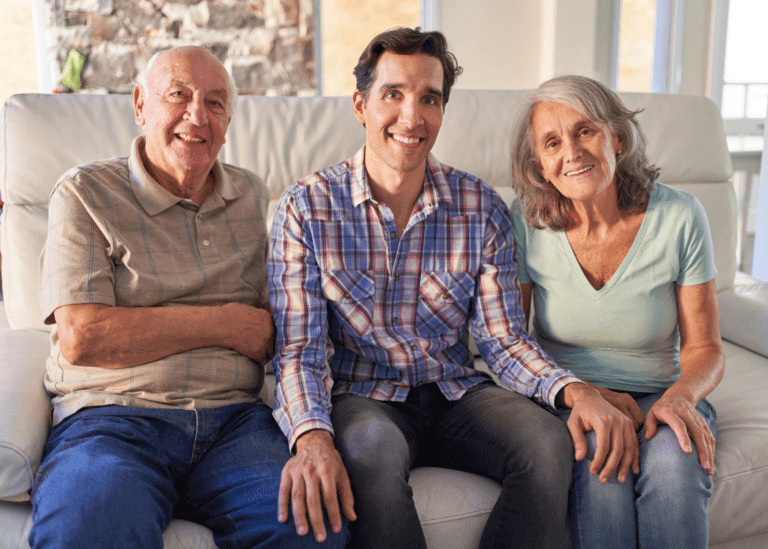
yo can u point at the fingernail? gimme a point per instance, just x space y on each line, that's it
622 478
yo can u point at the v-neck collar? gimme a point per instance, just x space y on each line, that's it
625 263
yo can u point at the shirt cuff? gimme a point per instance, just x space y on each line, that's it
304 427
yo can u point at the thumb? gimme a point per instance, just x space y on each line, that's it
651 424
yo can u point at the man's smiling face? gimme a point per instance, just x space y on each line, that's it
402 114
184 109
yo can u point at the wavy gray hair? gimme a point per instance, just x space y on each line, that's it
542 204
141 78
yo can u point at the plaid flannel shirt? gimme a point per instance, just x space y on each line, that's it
359 310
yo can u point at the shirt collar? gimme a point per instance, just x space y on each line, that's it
155 199
436 186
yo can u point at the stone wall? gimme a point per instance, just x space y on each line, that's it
267 45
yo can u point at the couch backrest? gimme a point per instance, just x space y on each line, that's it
286 138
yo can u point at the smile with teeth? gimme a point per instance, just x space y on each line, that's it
406 140
582 170
190 138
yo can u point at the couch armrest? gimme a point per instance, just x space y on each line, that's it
25 409
744 315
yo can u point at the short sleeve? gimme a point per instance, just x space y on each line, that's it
75 266
520 231
697 260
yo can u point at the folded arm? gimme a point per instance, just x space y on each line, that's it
120 337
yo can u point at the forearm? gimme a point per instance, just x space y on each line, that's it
121 337
701 370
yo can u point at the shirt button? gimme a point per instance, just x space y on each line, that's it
346 294
393 234
206 242
397 278
394 320
413 347
445 297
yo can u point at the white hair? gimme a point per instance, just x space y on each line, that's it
141 78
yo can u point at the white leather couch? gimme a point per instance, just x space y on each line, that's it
284 139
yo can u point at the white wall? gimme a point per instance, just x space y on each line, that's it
514 44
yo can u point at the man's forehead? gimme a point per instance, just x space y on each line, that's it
394 70
190 70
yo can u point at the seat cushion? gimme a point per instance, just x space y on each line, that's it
739 504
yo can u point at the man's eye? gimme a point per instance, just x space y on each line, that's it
430 101
391 95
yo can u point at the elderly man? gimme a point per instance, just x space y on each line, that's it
154 274
380 269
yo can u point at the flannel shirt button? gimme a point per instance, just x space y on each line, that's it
346 294
393 234
206 242
394 320
413 347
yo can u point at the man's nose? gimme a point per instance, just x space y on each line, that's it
196 112
411 114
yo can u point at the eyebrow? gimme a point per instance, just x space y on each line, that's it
394 86
218 91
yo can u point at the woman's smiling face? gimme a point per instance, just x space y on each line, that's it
576 154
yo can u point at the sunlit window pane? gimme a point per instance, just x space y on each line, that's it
757 100
635 57
733 101
346 28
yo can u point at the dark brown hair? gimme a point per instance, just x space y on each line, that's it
405 41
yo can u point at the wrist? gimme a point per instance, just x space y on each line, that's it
314 436
574 392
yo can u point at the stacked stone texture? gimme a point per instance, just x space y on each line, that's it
267 45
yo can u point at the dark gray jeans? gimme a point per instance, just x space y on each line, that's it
490 431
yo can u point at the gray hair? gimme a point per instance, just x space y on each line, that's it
541 203
141 78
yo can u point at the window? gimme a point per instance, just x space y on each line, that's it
739 83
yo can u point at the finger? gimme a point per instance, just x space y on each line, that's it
681 431
703 440
628 456
346 497
284 496
315 509
650 425
331 501
579 440
603 438
637 415
298 504
614 456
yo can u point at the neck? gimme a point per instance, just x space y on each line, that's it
196 186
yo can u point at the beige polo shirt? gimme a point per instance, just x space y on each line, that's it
116 237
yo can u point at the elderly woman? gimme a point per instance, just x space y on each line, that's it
621 272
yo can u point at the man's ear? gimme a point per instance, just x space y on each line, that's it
138 105
358 101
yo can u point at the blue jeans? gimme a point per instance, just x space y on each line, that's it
115 477
664 506
490 431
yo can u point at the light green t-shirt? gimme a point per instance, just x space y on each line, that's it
625 335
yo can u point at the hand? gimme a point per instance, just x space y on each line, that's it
313 477
680 414
624 403
616 439
250 331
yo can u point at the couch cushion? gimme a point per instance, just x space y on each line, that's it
24 409
453 506
739 504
